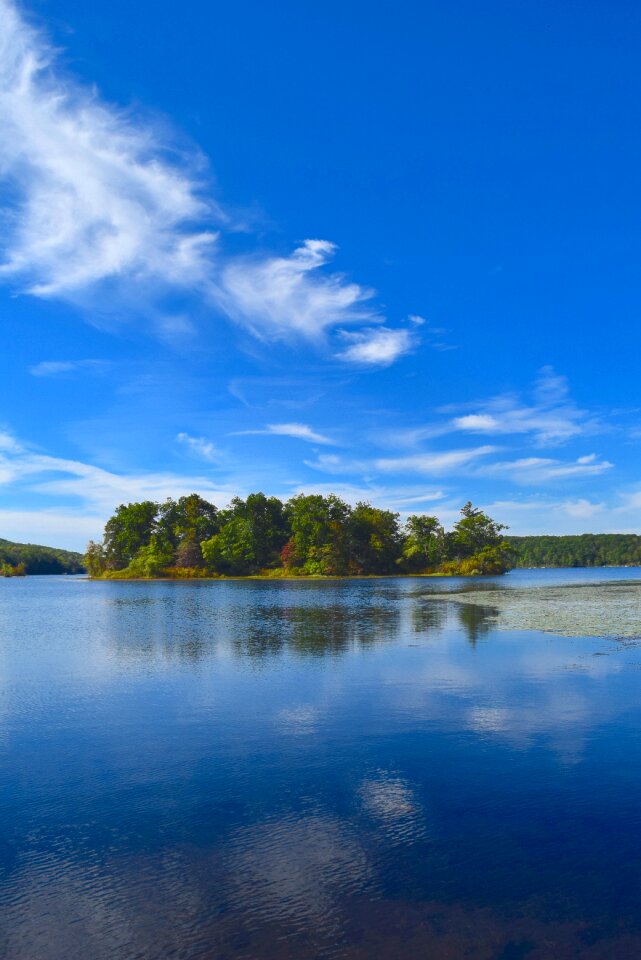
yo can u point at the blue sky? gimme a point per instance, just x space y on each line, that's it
385 250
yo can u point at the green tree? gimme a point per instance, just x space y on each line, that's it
232 550
152 559
268 525
423 544
320 536
95 560
473 532
190 519
130 528
374 539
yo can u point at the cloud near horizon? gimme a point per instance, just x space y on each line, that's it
68 500
103 211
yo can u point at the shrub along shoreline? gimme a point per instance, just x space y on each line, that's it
311 536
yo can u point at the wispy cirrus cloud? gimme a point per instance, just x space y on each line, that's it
542 470
299 431
200 447
404 498
275 296
103 210
434 463
77 497
548 416
94 197
57 368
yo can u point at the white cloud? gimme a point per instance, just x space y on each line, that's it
377 347
8 443
93 491
537 470
546 515
101 210
632 501
280 296
582 508
55 368
434 463
200 446
551 417
299 431
481 422
330 463
402 499
97 198
58 527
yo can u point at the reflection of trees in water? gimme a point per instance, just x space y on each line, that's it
476 620
316 631
191 627
428 617
160 627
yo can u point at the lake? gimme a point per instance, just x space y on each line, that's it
251 770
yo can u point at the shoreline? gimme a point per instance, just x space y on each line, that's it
257 576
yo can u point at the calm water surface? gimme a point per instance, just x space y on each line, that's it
257 771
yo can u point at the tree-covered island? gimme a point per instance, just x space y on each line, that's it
310 535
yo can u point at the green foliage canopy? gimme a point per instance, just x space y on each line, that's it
38 559
310 535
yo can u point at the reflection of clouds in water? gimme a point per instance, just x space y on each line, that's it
297 870
563 717
392 803
492 719
518 687
300 720
103 908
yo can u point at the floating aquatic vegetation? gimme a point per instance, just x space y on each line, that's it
572 610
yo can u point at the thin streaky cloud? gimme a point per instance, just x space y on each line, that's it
434 463
56 368
548 418
542 470
298 431
200 447
338 466
97 489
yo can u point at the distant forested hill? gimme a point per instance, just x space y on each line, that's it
39 559
587 550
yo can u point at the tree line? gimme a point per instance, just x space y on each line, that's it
18 559
309 535
585 550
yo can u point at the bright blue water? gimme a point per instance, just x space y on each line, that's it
312 770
